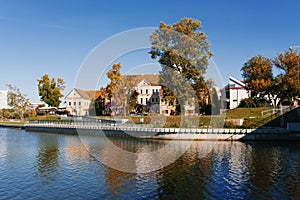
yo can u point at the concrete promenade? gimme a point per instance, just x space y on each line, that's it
166 133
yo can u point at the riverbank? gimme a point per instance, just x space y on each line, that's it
12 125
220 134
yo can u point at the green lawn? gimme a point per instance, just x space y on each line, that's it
7 122
246 112
252 116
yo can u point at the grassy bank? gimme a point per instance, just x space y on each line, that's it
252 119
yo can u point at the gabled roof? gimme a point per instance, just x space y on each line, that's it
87 94
153 79
143 82
234 80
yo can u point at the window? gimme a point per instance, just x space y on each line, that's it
156 90
166 112
74 103
141 100
146 100
79 103
156 99
153 91
152 100
141 91
70 103
234 100
227 94
146 91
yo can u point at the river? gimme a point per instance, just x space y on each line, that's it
37 165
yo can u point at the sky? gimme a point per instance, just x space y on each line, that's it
56 37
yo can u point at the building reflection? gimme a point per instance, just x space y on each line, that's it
75 150
206 169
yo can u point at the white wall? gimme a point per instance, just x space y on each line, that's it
77 105
3 99
148 93
236 95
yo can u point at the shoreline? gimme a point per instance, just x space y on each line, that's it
220 134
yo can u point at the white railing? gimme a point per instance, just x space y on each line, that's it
270 112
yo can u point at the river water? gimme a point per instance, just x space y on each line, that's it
51 166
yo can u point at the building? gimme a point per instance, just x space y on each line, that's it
149 98
34 105
3 99
150 94
78 101
233 93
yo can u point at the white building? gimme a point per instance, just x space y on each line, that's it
78 101
233 93
3 99
149 90
149 95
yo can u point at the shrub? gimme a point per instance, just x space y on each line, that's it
230 124
253 102
249 124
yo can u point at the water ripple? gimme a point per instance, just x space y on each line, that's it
52 166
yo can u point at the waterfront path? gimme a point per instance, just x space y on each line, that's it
141 131
144 132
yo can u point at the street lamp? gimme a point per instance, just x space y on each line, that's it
293 47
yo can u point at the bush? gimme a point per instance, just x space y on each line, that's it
253 103
8 113
249 124
230 124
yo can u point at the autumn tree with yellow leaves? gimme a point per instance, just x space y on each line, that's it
259 78
50 90
288 81
183 51
120 90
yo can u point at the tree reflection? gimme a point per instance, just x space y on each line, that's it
47 159
274 169
187 177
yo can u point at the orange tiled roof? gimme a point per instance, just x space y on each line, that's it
153 79
89 94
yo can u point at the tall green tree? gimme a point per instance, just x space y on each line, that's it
50 90
288 81
183 52
17 100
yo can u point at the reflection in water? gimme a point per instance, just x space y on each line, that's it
54 166
230 170
274 170
47 160
138 155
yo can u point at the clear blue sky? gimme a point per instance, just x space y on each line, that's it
55 36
